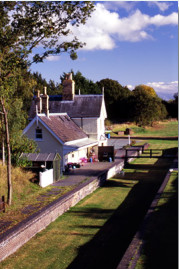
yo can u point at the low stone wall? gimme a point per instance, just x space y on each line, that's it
24 231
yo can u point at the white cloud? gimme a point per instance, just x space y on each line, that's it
130 87
104 28
161 5
160 20
116 5
165 90
52 58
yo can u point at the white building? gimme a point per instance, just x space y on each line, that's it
71 126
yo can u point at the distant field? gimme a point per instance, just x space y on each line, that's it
162 128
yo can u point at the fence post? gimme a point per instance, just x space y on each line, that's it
125 158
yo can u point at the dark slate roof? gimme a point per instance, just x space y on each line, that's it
82 106
63 127
39 157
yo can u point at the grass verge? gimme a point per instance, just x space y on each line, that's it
161 244
28 197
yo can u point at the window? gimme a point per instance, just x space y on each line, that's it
38 134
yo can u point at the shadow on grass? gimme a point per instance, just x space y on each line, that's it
108 246
161 247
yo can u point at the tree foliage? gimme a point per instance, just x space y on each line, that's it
24 25
82 84
145 89
146 108
172 106
116 97
53 88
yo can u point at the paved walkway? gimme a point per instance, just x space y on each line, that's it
75 176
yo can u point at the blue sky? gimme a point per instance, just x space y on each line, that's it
132 42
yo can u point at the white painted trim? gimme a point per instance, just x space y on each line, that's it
89 145
52 114
73 148
30 125
75 141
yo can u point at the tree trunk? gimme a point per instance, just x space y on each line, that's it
3 149
9 183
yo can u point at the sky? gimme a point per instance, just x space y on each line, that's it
133 42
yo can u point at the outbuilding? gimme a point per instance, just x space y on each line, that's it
47 164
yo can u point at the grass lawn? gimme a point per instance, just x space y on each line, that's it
162 128
97 231
161 247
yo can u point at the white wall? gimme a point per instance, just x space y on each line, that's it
74 157
46 178
48 144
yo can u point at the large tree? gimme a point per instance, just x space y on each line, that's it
145 108
145 89
172 106
26 25
116 97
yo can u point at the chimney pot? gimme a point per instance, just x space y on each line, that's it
68 88
45 90
38 94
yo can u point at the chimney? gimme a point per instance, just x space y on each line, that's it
38 102
45 102
68 88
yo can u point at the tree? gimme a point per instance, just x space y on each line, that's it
145 108
24 25
53 88
172 106
116 97
83 84
144 88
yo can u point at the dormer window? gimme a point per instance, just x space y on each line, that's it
38 134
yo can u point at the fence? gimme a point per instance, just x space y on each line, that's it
46 178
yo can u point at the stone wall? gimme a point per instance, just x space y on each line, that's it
24 231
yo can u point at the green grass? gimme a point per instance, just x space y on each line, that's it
58 245
97 231
161 247
25 193
163 128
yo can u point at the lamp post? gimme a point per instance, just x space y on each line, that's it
129 139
